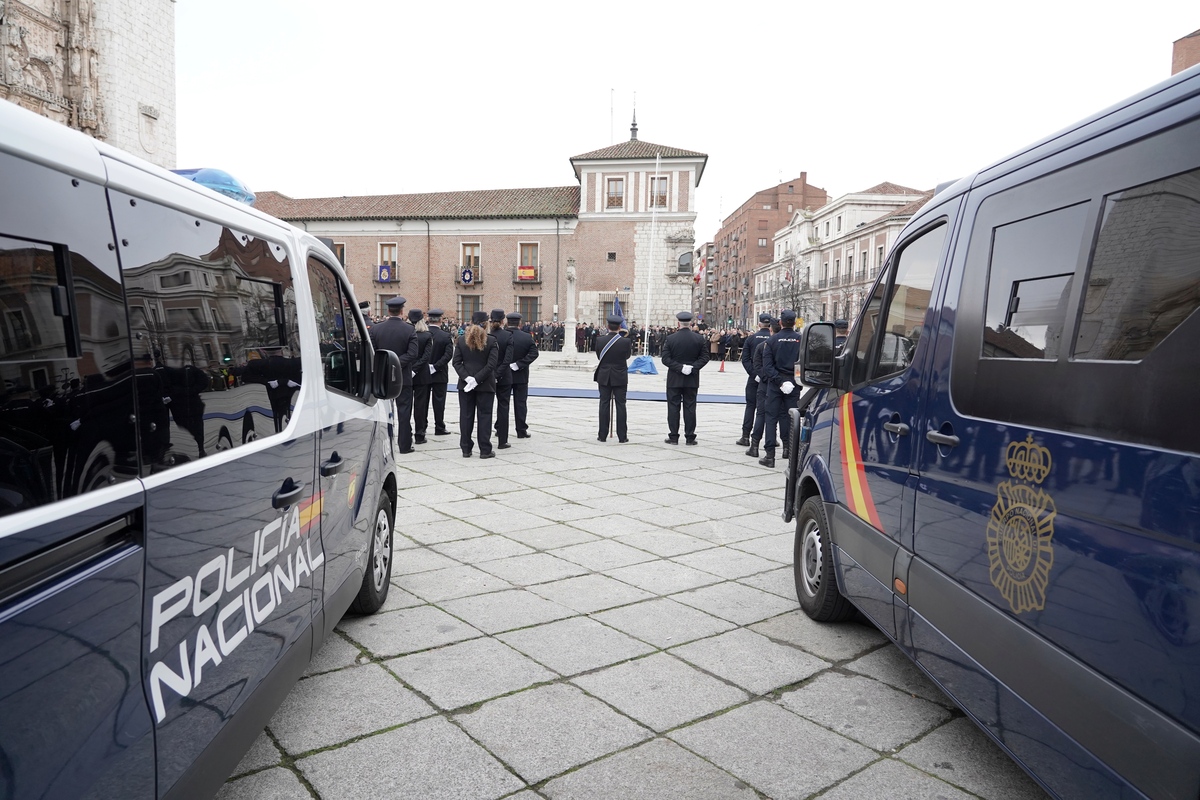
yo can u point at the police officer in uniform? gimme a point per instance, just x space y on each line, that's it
396 334
524 353
684 354
365 307
438 369
748 348
503 339
422 380
476 355
760 399
778 372
613 350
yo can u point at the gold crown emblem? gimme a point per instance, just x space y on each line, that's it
1028 461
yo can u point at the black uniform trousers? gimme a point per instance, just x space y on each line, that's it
613 393
685 397
503 396
751 405
520 407
437 392
475 411
421 393
778 404
404 409
760 412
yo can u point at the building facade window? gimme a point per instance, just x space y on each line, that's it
879 258
387 254
839 224
529 309
470 255
528 254
658 192
616 193
468 304
339 250
762 242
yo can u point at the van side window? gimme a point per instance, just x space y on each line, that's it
216 344
341 341
66 401
888 348
1142 282
1029 284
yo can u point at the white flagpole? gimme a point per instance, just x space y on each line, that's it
650 271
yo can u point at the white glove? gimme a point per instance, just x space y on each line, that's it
686 369
514 366
786 387
166 400
470 384
432 369
757 379
273 384
293 385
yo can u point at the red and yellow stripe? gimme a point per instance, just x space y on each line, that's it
310 511
854 477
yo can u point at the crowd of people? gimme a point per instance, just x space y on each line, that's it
492 353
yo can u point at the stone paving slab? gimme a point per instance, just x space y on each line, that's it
534 675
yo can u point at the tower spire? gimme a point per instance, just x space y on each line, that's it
633 129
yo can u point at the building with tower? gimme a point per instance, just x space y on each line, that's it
622 227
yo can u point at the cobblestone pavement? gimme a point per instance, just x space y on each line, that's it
577 619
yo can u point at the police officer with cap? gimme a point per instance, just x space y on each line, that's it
612 376
841 328
365 307
748 347
778 372
503 338
684 354
396 334
438 369
760 400
421 378
524 353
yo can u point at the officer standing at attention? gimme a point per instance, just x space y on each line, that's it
612 376
524 353
760 400
748 348
365 307
778 372
503 339
475 357
438 369
684 354
397 335
421 378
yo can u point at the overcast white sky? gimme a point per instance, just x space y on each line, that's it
318 99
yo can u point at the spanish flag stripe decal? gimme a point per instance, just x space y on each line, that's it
310 511
858 492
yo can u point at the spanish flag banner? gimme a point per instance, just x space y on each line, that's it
854 477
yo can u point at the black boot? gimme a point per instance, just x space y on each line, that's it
744 441
753 451
786 452
768 460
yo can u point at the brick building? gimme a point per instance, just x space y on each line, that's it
745 241
105 67
1185 53
623 228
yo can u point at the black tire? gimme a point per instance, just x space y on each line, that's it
812 567
378 575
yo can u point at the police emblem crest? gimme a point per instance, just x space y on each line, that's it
1021 528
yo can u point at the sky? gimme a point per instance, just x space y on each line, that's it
316 99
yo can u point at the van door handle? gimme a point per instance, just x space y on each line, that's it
333 466
942 439
898 428
288 494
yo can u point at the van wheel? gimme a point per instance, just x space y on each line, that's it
375 583
812 564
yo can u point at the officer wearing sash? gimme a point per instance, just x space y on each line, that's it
752 385
524 353
612 376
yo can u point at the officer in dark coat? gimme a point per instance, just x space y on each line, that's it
365 307
422 380
503 339
612 376
684 354
475 357
752 342
396 334
760 400
778 372
524 353
438 369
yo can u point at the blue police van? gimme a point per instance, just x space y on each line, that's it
1000 467
196 478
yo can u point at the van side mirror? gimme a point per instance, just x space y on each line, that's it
387 378
816 355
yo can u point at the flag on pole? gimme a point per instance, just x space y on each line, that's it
700 272
617 310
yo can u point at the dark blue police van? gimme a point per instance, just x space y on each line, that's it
1001 468
196 479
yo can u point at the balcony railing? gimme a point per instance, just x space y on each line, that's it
861 275
822 283
524 274
475 277
615 201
